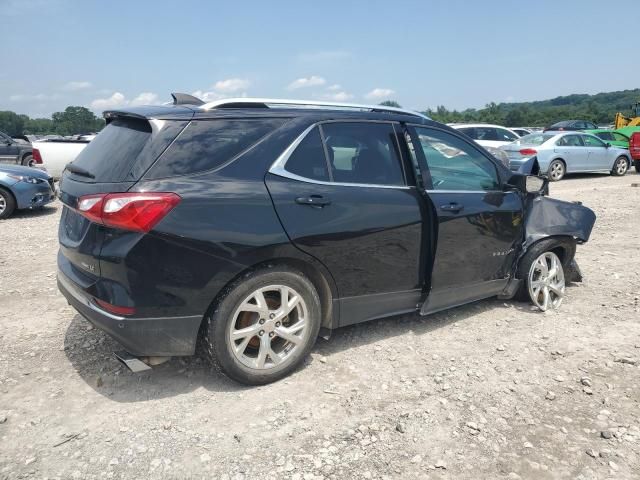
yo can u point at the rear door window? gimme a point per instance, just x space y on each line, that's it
570 141
469 132
604 135
207 144
308 159
110 156
505 135
486 133
363 152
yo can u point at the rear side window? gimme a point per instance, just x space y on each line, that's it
308 159
364 153
469 132
110 156
207 144
570 141
604 135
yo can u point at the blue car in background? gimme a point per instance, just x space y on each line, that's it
24 187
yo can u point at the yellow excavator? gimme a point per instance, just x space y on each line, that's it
632 121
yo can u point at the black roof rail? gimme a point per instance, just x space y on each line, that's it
186 99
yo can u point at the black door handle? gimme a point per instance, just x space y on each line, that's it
313 200
452 207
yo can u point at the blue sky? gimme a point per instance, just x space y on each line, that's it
421 53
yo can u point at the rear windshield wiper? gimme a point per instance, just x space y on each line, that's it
79 171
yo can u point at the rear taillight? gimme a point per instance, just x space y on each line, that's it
37 158
138 212
528 152
118 310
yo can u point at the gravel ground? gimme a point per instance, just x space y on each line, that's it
489 390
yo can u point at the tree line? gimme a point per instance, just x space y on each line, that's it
600 109
72 121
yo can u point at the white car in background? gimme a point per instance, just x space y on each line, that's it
487 135
522 131
57 153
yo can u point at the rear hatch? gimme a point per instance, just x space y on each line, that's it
112 163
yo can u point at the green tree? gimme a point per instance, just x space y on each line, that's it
391 103
76 120
11 123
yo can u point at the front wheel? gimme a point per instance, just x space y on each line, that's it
7 204
543 275
556 170
264 325
620 166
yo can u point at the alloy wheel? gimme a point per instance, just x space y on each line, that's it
621 166
268 327
546 281
3 204
557 171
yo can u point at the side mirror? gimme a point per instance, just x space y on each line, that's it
607 144
528 183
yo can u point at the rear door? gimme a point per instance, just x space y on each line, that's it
571 149
342 197
479 224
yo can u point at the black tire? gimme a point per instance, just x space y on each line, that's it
27 160
537 249
620 166
218 322
557 171
636 163
7 204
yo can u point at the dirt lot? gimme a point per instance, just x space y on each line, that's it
489 390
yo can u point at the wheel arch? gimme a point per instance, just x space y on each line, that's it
317 275
564 246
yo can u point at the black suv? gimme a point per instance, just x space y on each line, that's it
14 151
259 225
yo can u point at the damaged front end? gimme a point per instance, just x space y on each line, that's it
559 223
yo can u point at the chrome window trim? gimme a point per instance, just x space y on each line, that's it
278 166
466 191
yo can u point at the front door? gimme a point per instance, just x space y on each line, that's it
598 153
342 197
479 224
8 149
572 150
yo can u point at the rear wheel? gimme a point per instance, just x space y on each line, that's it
620 166
7 204
27 161
264 325
637 165
557 170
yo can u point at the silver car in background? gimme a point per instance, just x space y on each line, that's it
560 153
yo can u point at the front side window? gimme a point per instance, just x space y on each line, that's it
591 141
363 152
604 136
570 141
454 164
486 133
618 137
469 132
308 159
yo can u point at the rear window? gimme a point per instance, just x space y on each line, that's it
207 144
533 139
111 154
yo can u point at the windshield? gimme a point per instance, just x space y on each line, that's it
533 139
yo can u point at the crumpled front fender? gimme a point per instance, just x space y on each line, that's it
548 217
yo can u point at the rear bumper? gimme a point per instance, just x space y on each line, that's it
160 336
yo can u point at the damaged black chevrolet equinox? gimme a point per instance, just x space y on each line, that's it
257 225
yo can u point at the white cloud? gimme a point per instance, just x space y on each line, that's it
231 85
337 96
380 93
119 100
304 82
75 86
207 96
145 98
115 100
334 88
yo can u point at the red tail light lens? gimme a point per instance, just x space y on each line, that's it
138 212
37 158
528 152
118 310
